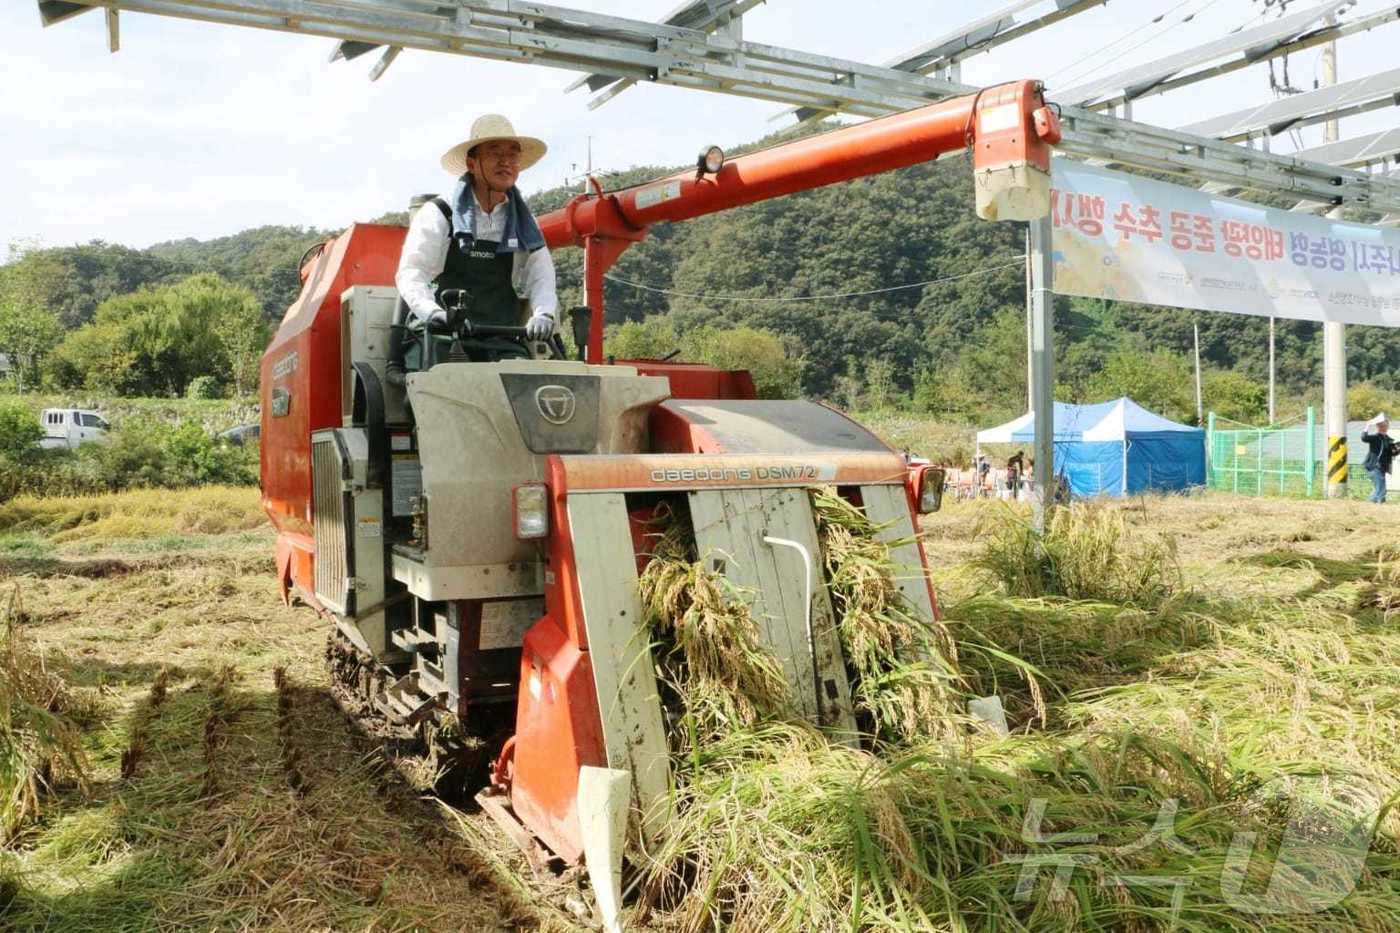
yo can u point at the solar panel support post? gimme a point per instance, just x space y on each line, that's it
1334 340
1042 364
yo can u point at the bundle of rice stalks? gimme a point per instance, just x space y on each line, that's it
779 829
39 745
1084 553
903 667
707 646
1160 807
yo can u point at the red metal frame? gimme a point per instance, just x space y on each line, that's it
1006 126
304 361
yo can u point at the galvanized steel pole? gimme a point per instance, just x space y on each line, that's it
1200 402
1042 363
1334 341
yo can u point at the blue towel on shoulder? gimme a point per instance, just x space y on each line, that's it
522 234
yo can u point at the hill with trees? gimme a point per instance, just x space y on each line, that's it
880 290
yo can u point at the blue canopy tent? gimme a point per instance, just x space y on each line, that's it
1098 446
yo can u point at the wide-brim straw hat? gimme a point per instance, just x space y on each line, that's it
490 127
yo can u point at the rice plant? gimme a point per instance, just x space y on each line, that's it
708 648
1163 742
1084 553
39 744
904 669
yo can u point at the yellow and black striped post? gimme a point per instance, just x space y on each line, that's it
1336 465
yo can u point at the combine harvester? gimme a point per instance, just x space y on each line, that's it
475 531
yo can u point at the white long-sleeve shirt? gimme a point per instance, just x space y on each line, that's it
425 255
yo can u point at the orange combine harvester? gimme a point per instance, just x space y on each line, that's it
475 530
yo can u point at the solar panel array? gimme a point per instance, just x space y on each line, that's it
1254 44
703 49
1279 116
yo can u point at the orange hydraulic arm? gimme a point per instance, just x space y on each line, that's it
1009 127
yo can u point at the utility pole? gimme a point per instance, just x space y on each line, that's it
1042 363
1273 417
1030 341
1334 345
1200 407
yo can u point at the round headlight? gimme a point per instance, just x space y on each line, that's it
711 160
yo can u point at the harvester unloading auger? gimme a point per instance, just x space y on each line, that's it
476 530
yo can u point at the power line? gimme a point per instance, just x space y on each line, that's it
874 291
1185 19
1098 52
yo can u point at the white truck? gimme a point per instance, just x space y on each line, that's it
71 427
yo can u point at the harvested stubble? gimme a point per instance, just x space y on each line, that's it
354 850
1188 733
39 741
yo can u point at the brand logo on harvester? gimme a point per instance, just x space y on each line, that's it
775 473
556 404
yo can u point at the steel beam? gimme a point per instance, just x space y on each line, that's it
594 43
1254 45
1371 149
1311 40
1347 99
56 11
980 36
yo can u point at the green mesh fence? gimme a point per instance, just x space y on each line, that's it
1276 461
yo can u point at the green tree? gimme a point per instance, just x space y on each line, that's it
880 392
1160 381
27 333
1235 396
155 341
651 339
776 374
1366 400
19 432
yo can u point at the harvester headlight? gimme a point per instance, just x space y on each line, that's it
531 510
711 160
930 490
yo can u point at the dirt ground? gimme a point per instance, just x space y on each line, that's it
222 794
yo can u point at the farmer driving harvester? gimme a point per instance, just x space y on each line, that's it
475 255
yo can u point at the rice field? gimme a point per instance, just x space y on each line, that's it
1197 727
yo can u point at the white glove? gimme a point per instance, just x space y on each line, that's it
437 321
540 326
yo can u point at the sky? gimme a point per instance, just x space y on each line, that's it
200 130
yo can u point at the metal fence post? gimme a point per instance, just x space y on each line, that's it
1210 452
1311 469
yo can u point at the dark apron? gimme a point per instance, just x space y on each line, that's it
476 266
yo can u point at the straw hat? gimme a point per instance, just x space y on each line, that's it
486 128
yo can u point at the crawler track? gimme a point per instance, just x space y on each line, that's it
436 758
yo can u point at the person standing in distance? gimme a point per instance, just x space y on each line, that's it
483 238
1380 453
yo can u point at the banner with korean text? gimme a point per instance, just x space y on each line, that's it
1132 239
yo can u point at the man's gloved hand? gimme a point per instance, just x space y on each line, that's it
437 321
540 326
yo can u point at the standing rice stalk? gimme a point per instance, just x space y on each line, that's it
1085 553
707 646
904 668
